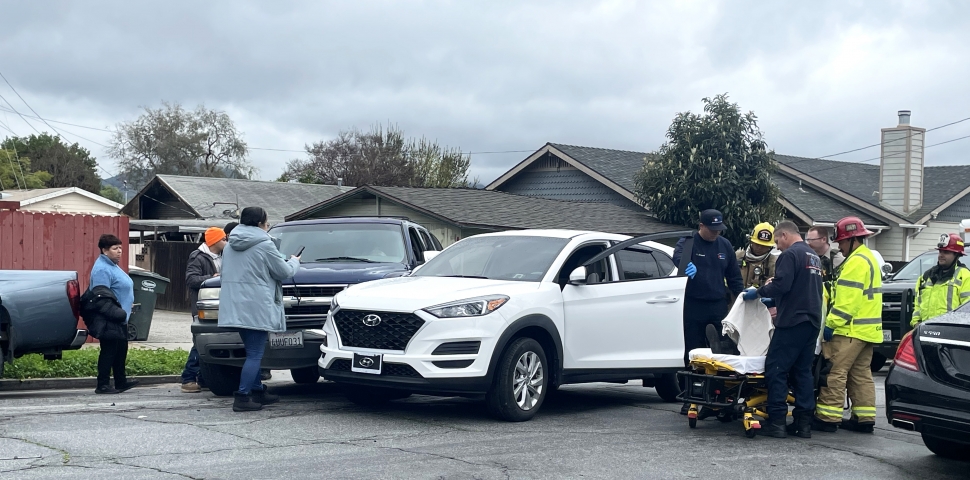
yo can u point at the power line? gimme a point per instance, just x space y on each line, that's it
846 164
18 113
58 121
25 103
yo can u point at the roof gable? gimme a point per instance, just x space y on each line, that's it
279 199
27 197
484 208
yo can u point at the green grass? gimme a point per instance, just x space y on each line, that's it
84 363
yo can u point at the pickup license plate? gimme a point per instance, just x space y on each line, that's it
887 335
367 364
286 339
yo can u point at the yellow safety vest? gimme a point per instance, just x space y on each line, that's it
935 300
857 298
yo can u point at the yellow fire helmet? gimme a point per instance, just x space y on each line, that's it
763 234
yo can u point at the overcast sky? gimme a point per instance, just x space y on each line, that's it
822 77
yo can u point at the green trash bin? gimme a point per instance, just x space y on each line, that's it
147 286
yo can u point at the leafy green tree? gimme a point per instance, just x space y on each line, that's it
16 174
68 165
381 156
175 141
717 159
112 193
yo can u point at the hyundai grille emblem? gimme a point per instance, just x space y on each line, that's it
372 320
367 362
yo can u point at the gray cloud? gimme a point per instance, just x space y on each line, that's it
823 77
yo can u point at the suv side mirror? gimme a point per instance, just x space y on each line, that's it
886 269
428 255
578 276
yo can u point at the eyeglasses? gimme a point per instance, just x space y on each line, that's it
813 239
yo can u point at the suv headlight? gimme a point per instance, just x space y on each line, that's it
472 307
209 293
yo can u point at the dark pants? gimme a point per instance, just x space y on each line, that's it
192 371
112 357
790 356
698 314
255 341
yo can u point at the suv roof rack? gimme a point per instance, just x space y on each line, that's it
399 217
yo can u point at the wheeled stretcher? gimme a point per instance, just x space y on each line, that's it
731 386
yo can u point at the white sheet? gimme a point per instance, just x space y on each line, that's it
749 325
740 364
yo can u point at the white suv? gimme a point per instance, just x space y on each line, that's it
513 315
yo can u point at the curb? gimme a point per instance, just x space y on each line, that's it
10 385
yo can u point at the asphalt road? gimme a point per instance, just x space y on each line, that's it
588 431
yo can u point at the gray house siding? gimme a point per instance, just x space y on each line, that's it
564 183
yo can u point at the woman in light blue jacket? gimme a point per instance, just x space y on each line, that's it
251 298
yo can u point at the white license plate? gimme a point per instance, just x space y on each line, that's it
286 339
887 335
367 363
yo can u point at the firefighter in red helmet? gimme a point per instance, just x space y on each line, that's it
946 285
851 328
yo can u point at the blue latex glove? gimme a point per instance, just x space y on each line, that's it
828 333
749 293
691 270
769 302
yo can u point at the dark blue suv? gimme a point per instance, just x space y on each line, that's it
338 252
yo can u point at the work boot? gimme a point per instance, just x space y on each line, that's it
263 397
105 390
191 387
243 402
801 427
774 429
857 426
127 386
821 426
265 375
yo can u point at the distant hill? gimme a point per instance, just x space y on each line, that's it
118 182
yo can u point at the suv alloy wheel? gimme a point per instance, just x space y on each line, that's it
519 387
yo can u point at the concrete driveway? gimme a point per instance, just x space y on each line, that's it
588 431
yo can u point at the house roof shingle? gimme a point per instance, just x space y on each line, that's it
471 207
862 180
620 166
819 206
278 198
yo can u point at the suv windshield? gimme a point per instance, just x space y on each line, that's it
919 265
518 258
343 242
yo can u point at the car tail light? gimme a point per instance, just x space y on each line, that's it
74 296
906 354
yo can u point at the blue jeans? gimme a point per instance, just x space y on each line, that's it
789 361
255 341
192 372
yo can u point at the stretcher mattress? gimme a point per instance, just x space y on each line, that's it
739 363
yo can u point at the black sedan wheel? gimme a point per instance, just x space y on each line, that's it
947 448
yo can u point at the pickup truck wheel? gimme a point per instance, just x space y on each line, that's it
668 387
222 380
878 361
305 375
373 396
947 448
520 383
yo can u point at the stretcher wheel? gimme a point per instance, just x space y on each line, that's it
750 433
692 422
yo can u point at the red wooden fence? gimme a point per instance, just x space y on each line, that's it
57 241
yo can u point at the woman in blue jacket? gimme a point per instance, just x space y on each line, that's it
251 299
114 352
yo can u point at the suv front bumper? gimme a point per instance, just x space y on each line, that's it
417 362
223 346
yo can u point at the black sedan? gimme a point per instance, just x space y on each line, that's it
928 387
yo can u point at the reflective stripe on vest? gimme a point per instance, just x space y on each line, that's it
872 290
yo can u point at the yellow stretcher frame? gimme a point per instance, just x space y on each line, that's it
750 387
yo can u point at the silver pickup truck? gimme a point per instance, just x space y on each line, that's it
39 313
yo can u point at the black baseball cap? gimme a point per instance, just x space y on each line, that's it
713 219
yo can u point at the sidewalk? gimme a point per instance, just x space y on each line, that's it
170 330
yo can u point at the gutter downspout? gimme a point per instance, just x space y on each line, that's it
909 236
